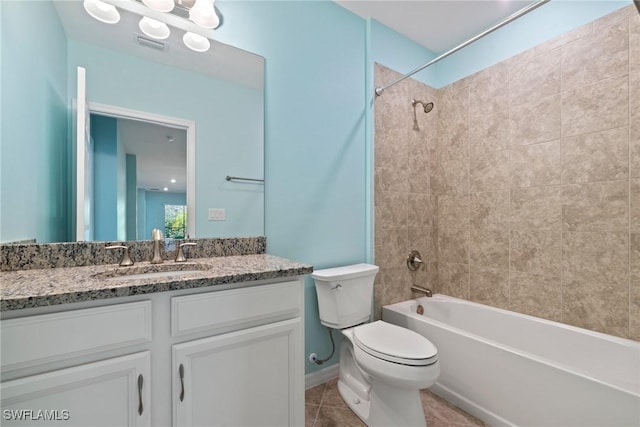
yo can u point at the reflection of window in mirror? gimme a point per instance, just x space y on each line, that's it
175 221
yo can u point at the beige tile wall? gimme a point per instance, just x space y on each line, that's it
530 173
405 212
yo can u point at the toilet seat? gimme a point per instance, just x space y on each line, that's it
395 344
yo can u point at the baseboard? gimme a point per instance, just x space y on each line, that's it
320 377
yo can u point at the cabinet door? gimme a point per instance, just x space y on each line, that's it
252 377
112 392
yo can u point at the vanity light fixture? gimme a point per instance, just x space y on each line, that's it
201 12
165 189
196 42
173 180
160 5
154 29
204 14
102 11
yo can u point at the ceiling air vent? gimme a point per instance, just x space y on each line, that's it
154 44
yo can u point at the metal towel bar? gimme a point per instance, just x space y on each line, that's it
237 178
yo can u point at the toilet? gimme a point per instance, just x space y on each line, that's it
382 366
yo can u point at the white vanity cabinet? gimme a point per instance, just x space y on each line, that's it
111 392
221 355
242 378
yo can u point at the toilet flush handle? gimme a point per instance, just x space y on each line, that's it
337 287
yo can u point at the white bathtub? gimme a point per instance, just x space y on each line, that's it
512 369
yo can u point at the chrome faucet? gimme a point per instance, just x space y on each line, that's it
156 236
425 291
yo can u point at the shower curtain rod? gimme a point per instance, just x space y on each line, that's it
510 18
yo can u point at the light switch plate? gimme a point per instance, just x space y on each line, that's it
217 214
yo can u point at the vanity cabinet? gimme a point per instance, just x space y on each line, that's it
221 355
241 378
111 392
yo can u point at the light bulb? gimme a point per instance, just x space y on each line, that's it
204 14
160 5
154 29
102 11
196 42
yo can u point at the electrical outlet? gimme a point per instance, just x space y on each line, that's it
217 214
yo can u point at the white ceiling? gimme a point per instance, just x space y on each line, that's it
438 25
161 154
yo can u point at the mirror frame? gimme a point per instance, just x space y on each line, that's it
129 114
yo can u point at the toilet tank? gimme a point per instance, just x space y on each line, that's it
345 294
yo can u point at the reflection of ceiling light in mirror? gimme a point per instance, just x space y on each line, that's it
173 180
102 11
165 189
204 14
154 29
160 5
196 42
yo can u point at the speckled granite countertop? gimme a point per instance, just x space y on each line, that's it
46 287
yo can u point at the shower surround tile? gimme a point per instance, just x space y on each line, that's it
634 103
536 295
602 105
536 252
602 55
489 133
558 127
634 161
600 156
489 171
563 39
489 286
487 92
596 282
599 206
534 79
538 208
450 177
453 279
391 247
634 270
546 126
536 165
634 206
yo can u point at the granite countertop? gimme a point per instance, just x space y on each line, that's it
46 287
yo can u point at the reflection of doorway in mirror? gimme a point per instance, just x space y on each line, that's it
140 163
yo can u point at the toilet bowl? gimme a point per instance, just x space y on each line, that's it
382 366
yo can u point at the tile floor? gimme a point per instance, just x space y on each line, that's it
324 407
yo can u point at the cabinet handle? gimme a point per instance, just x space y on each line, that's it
140 381
181 370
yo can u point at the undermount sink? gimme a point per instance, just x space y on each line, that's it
152 271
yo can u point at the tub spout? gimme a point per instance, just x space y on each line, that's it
425 291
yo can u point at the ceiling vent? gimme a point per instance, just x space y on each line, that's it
154 44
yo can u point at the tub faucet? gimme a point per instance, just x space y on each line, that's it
156 236
425 291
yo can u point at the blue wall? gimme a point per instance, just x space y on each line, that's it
132 197
154 208
315 133
33 142
104 131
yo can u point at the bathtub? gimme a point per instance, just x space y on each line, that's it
510 369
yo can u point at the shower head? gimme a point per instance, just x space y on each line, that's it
427 106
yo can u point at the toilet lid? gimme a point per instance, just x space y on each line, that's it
395 344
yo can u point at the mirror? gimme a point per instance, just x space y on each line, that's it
220 91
